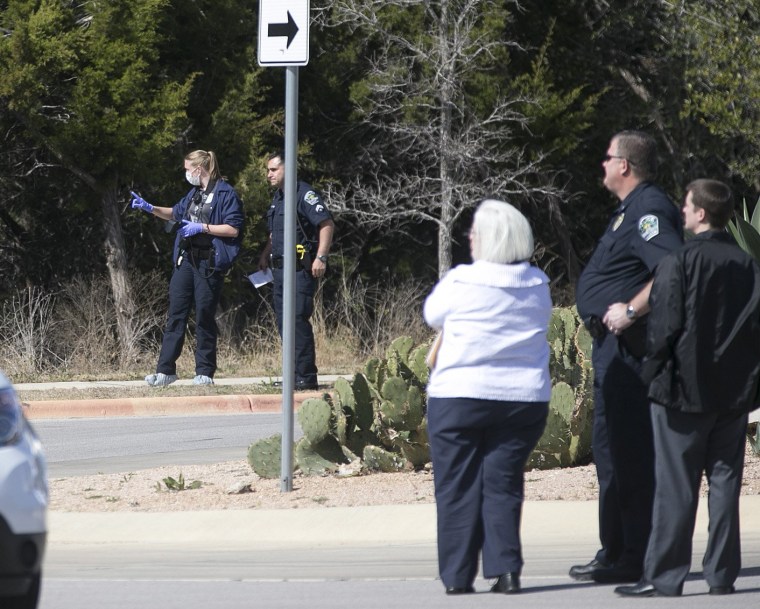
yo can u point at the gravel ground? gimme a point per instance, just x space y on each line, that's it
233 485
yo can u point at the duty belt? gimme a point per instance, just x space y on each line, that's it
278 262
200 253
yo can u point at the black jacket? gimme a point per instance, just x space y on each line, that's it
703 341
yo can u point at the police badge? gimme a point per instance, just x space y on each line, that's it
649 227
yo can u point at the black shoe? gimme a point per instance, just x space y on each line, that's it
642 589
616 575
509 583
583 573
455 590
716 590
306 385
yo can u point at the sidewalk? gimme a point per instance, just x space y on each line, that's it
174 405
160 405
544 522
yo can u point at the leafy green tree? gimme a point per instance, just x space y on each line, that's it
719 44
84 82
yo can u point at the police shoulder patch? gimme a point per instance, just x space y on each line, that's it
311 197
649 227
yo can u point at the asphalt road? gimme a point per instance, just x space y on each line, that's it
122 444
267 560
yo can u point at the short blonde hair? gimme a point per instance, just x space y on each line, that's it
500 233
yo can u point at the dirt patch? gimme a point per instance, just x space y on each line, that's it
232 485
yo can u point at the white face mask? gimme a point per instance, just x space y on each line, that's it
194 180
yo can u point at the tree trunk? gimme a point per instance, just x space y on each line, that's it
116 262
447 205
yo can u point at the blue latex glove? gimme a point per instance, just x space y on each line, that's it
190 229
139 203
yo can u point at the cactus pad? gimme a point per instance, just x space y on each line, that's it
265 456
379 459
315 416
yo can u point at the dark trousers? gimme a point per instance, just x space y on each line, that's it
687 444
190 286
623 454
305 353
479 450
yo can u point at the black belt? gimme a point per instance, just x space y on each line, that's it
278 262
200 253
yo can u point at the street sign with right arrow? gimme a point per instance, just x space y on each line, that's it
283 32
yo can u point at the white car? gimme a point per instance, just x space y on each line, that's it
23 504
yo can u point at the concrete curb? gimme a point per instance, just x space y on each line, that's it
260 528
159 406
544 522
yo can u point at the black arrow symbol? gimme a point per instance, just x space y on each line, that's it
289 29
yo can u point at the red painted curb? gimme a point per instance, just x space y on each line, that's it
210 404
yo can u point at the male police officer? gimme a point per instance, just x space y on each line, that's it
612 298
314 233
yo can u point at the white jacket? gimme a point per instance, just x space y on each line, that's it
494 319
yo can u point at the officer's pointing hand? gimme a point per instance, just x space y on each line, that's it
139 203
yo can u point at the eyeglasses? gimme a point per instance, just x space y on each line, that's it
608 157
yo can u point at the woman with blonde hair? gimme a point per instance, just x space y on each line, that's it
488 398
210 217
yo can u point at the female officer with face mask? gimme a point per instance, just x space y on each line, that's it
208 240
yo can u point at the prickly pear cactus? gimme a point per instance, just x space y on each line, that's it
363 402
378 417
382 460
418 365
567 438
414 445
553 448
402 405
401 346
265 456
371 369
753 437
360 438
319 459
315 417
341 418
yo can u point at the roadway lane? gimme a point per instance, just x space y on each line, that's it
76 447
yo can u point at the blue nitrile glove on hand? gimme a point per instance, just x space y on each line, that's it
190 229
139 203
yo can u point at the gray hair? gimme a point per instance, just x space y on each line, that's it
500 233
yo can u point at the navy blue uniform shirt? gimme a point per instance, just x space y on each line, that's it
223 207
311 212
644 229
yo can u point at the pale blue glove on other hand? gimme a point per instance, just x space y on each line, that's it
139 203
190 229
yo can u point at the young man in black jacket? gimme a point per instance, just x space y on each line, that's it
703 365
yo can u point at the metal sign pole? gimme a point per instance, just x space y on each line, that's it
284 41
289 277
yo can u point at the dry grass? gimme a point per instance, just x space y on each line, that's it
71 335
